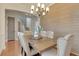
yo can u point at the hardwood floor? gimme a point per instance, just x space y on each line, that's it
12 49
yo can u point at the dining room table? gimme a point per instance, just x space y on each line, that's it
42 44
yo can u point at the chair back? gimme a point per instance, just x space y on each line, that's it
28 35
43 34
64 45
24 44
50 34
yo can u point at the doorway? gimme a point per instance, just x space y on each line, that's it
11 28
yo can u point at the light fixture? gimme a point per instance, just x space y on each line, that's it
36 9
38 5
32 7
40 9
43 13
32 11
42 6
47 9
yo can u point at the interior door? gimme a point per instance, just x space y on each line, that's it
11 28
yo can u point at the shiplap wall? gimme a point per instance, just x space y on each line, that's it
63 19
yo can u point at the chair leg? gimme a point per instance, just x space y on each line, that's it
37 54
25 53
22 51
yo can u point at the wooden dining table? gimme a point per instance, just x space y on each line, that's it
42 44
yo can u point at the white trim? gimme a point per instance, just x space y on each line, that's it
21 11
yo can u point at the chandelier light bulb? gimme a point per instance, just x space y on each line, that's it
47 9
38 5
42 6
31 11
43 13
32 7
36 9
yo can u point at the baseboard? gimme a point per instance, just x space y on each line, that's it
1 51
74 54
10 40
2 48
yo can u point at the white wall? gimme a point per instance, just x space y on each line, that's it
18 17
16 6
2 29
19 7
13 6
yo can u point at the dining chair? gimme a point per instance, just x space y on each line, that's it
50 34
43 34
69 40
25 45
63 47
28 35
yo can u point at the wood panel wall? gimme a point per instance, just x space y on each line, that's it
63 19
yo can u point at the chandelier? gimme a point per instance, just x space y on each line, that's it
40 9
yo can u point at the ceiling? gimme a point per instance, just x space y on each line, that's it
22 6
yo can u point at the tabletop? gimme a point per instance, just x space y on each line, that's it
42 44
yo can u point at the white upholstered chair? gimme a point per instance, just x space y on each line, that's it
28 35
24 44
68 44
63 47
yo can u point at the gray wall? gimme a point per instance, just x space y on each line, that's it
19 16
